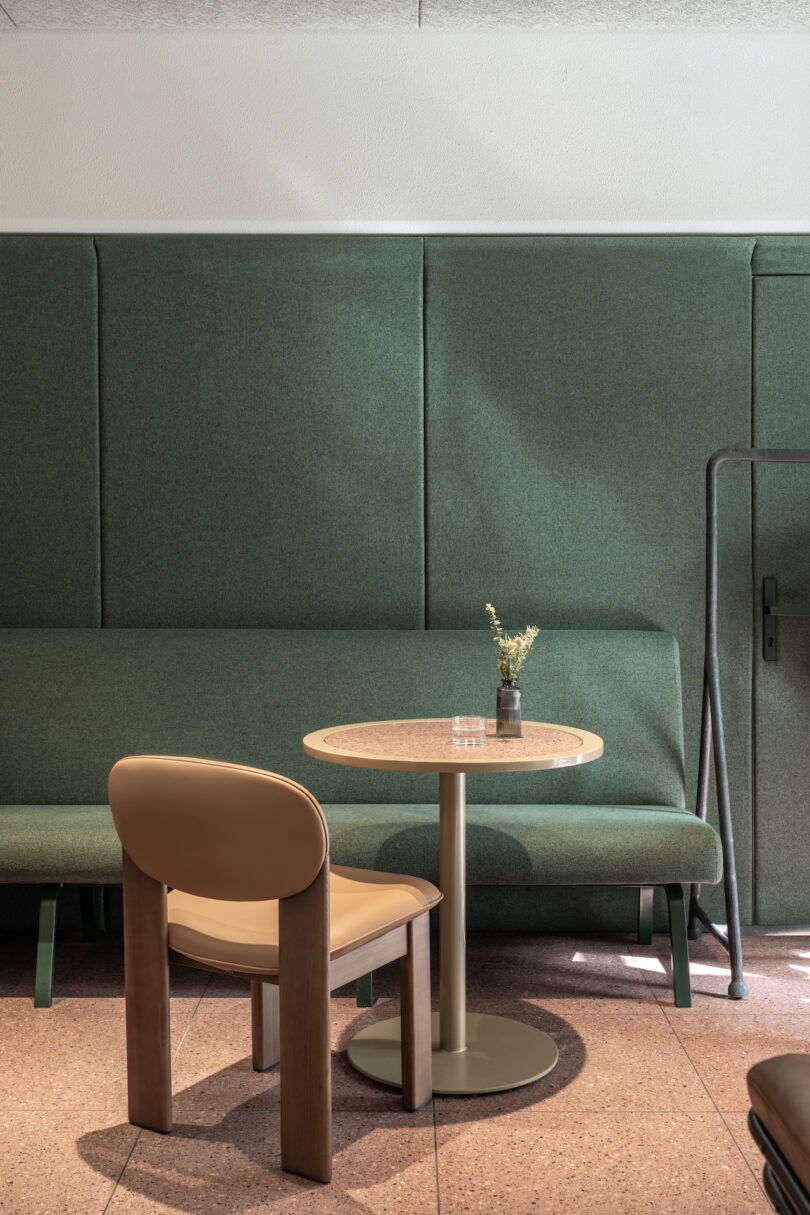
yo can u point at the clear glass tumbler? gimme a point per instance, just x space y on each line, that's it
469 731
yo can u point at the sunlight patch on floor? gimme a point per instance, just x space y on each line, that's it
700 968
644 964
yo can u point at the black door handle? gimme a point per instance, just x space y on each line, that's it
770 610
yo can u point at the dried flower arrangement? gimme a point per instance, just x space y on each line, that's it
512 651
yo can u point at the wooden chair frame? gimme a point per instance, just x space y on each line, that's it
307 975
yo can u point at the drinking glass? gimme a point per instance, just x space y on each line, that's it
469 731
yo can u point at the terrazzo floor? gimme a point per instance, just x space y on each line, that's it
645 1112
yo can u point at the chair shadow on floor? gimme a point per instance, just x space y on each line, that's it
229 1159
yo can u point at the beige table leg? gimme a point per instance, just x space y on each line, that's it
452 912
472 1052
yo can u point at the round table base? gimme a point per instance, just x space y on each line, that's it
500 1054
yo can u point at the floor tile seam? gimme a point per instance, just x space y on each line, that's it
756 1175
577 1016
123 1170
655 1029
742 1017
708 1020
632 948
9 1111
721 962
557 1004
101 1004
199 999
643 1001
721 959
439 1117
261 1110
618 1014
576 1111
664 956
650 1012
694 1067
436 1157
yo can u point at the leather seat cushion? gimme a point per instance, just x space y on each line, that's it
779 1089
244 936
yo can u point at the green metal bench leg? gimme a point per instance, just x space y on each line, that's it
91 901
365 991
46 944
645 914
680 946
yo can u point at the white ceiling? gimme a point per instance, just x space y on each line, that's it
336 14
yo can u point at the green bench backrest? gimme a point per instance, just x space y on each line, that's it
75 700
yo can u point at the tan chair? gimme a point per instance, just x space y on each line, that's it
246 854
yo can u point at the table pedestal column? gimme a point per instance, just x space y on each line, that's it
452 912
472 1052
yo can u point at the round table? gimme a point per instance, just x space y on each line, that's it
472 1052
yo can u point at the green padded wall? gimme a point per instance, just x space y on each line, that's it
261 428
781 255
782 547
575 387
49 376
575 390
75 701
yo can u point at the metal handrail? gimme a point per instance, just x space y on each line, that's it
712 736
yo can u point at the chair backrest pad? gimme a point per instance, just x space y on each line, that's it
217 830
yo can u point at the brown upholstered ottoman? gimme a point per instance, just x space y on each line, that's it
779 1121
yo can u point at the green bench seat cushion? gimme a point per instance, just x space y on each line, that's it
59 844
534 845
506 845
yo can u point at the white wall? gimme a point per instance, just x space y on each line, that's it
555 130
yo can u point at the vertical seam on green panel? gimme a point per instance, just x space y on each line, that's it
425 445
754 634
98 440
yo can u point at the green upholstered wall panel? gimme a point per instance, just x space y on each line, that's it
49 394
781 255
575 390
75 701
261 423
782 548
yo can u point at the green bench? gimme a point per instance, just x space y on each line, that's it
76 700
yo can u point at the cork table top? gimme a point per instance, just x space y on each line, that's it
425 745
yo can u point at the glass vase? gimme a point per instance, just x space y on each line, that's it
507 714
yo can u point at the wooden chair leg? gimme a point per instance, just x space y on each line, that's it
306 1061
645 914
46 945
414 969
265 1024
681 984
146 978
